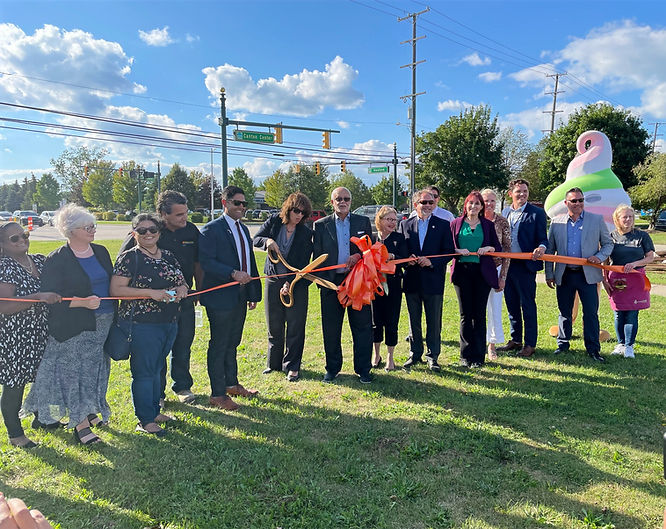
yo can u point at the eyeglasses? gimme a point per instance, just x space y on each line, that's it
240 203
298 211
143 231
427 202
390 219
577 200
343 199
15 238
90 228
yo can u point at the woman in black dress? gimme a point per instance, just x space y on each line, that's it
386 308
23 325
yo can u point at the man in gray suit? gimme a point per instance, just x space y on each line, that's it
578 233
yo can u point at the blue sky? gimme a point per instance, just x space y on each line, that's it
323 64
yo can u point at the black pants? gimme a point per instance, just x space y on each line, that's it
520 298
573 281
293 318
417 302
226 332
386 314
180 351
10 403
360 323
472 291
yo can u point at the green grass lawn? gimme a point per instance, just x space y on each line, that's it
553 442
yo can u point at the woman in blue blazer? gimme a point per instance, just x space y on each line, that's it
286 231
473 276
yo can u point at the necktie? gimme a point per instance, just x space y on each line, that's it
242 243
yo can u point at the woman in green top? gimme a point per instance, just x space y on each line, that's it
473 276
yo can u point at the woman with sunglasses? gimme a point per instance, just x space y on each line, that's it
473 276
73 377
23 325
155 275
287 233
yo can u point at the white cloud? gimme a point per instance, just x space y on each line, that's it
343 124
139 88
534 76
489 77
192 38
8 176
260 168
2 137
302 94
451 104
534 120
75 57
156 37
475 59
7 150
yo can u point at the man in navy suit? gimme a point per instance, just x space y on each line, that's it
423 283
331 236
225 254
528 234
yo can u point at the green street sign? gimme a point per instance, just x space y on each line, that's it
372 170
257 137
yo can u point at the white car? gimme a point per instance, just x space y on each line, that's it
5 216
47 217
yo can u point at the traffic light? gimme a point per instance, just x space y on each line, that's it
343 166
326 140
404 193
278 134
297 168
318 168
120 172
85 171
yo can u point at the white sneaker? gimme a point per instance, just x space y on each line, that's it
629 351
619 349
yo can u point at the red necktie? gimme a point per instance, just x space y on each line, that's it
242 243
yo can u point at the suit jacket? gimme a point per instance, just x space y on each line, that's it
595 240
301 247
487 263
532 233
325 240
218 257
438 240
64 275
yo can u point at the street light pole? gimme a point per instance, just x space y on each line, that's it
223 136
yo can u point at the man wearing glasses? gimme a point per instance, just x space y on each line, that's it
225 254
423 283
331 236
578 233
437 211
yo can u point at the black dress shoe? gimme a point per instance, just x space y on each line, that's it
433 365
365 378
412 361
330 377
596 356
560 350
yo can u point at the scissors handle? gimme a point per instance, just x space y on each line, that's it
287 298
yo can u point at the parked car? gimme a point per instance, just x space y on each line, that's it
370 212
660 224
256 214
24 215
5 216
316 215
47 217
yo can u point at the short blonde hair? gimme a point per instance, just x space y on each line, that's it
618 211
488 191
383 211
70 217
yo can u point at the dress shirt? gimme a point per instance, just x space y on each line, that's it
575 236
423 229
438 212
248 244
514 216
342 231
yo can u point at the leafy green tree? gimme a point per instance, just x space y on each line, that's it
515 149
241 179
361 195
47 193
277 188
14 197
650 193
69 167
4 189
530 172
202 185
625 132
462 154
98 188
28 189
382 191
311 184
125 187
178 180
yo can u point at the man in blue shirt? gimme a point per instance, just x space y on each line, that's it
578 234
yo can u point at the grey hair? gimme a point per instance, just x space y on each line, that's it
416 197
488 191
69 217
339 188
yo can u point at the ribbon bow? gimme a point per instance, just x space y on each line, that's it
304 273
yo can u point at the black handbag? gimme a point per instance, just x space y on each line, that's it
119 340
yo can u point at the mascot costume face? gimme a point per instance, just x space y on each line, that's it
591 171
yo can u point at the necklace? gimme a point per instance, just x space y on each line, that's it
28 267
82 253
153 254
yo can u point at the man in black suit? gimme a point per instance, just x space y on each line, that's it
423 282
331 236
225 254
528 234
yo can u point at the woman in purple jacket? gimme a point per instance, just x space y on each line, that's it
473 276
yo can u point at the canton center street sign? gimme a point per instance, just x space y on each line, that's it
373 170
257 137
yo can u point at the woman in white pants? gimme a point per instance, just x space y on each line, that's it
494 331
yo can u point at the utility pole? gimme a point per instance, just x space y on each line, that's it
212 186
555 92
412 96
395 173
654 136
223 121
159 178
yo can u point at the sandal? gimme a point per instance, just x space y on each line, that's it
162 418
85 436
151 428
94 420
38 425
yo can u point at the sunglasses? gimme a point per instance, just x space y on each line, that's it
343 199
15 238
143 231
577 200
239 203
427 202
90 228
298 211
